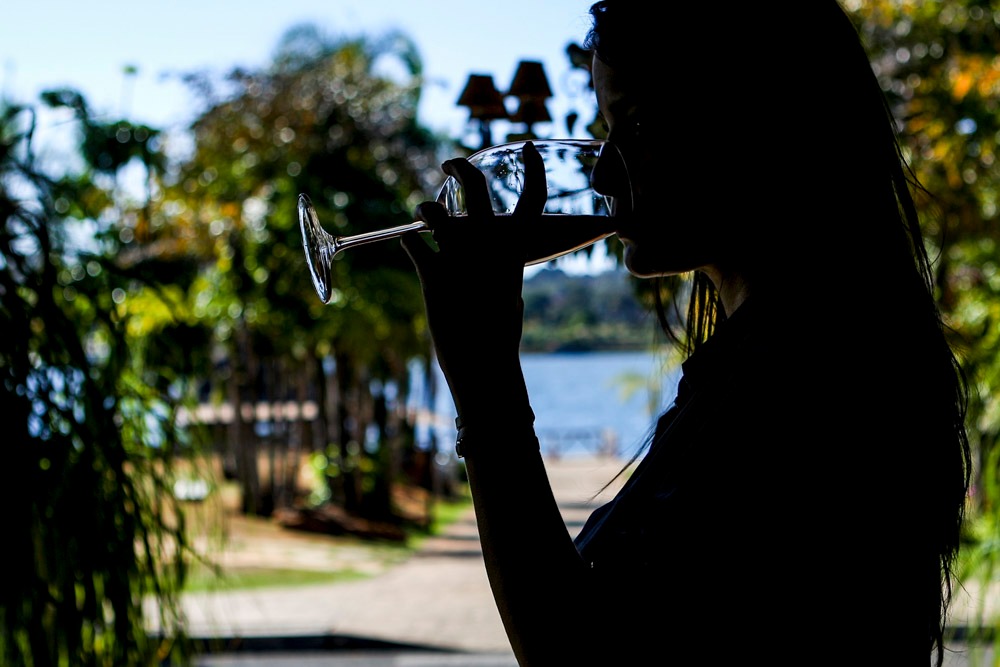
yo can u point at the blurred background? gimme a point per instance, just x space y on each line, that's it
169 375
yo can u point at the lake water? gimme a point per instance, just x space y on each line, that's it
581 397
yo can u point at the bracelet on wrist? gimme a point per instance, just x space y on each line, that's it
462 442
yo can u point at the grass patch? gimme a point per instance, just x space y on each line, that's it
203 579
444 512
447 512
236 552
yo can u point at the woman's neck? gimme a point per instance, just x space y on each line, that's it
731 285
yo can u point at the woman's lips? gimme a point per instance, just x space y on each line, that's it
624 225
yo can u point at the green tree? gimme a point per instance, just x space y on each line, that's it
939 64
325 118
93 528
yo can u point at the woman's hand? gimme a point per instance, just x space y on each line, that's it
472 285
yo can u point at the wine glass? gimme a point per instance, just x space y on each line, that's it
575 215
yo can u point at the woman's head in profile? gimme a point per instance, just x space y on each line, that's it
772 139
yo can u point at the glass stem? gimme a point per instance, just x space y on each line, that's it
345 242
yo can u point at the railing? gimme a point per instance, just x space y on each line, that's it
225 413
556 443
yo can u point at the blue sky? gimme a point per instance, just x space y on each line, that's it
86 45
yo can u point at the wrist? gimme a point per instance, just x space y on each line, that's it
475 435
501 399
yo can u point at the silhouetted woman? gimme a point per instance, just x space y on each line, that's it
800 501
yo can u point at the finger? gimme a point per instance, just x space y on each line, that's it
421 246
477 196
532 199
431 212
443 226
416 247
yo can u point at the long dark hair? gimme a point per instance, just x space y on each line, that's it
841 105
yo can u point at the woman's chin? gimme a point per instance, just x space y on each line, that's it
634 264
646 265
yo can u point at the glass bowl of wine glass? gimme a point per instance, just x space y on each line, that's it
575 215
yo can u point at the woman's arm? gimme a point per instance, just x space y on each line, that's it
539 580
472 293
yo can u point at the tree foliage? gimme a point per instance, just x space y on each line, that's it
334 118
114 303
92 526
939 65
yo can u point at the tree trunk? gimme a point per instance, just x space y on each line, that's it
297 432
345 479
241 438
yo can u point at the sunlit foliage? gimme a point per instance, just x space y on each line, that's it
938 62
336 119
92 528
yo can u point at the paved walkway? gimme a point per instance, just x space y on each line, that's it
433 610
436 608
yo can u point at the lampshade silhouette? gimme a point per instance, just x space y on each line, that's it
482 98
530 82
531 111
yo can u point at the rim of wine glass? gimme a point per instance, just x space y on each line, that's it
511 146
